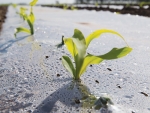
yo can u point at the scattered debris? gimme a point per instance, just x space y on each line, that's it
109 69
119 86
58 75
77 101
46 56
96 81
144 94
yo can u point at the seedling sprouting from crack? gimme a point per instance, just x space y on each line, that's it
77 46
28 18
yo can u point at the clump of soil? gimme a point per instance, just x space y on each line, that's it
3 11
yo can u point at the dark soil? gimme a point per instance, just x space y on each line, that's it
125 10
3 11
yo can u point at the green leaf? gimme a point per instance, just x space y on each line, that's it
89 59
68 64
80 44
65 7
116 53
23 13
71 46
21 29
30 25
33 2
31 17
97 33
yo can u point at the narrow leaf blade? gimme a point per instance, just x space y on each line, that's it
21 29
33 2
30 25
97 33
116 53
70 46
31 17
80 44
90 59
68 64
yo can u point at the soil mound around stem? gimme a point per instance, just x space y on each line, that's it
3 11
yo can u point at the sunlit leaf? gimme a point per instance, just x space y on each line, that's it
22 13
79 41
89 59
116 53
71 46
68 64
33 2
21 29
30 25
97 33
22 9
31 17
77 46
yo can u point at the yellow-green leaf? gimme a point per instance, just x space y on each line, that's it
71 46
22 10
80 44
30 25
97 33
89 59
31 17
116 53
21 29
14 5
68 64
33 2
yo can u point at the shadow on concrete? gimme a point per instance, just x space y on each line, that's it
74 94
6 45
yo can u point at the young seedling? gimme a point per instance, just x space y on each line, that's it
77 46
28 18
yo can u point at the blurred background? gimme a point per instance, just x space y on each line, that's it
75 1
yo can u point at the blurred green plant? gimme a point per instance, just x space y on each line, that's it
28 18
77 46
96 4
142 4
73 8
14 5
22 13
65 6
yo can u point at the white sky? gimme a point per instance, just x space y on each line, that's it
39 1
